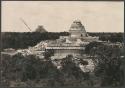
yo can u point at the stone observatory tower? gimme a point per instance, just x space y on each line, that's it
77 30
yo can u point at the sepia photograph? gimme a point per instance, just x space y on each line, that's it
62 44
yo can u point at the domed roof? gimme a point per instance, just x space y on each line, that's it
76 21
77 25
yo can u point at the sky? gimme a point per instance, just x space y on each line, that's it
57 16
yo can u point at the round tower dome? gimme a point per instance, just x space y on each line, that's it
77 29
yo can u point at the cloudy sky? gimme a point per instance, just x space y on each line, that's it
57 16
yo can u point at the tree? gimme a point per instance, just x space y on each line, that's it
48 54
91 45
14 39
108 64
70 69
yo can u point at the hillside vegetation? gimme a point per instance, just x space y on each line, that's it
24 40
31 71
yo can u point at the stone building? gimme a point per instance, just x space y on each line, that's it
74 44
